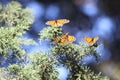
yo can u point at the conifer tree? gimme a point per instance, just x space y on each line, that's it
14 22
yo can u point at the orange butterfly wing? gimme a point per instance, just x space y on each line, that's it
61 22
90 40
51 23
57 40
87 39
62 40
95 39
65 39
70 39
57 23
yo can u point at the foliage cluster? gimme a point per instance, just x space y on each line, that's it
14 22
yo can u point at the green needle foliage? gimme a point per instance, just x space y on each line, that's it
49 33
36 69
14 22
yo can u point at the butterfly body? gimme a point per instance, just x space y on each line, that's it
57 23
65 39
90 40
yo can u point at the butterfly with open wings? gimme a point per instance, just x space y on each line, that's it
57 23
65 38
90 40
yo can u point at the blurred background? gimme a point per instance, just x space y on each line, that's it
87 18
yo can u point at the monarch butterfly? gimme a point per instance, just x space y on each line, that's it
65 39
90 40
57 23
